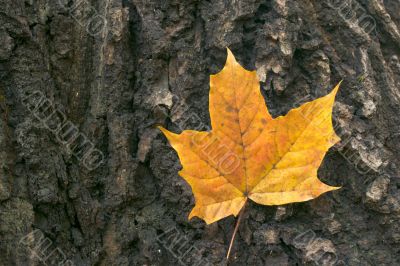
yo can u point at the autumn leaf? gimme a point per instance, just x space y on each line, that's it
250 155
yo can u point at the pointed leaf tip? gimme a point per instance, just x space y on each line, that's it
161 128
230 58
229 52
337 87
166 132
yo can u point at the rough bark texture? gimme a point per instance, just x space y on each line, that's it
151 65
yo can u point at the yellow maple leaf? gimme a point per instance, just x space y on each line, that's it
250 155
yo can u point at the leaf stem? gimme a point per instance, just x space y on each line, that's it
236 229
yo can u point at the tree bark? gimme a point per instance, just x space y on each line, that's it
83 84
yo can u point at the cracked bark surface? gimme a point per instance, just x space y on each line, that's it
152 66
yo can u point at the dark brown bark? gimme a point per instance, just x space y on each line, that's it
151 65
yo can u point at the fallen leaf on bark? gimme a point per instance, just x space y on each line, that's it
250 155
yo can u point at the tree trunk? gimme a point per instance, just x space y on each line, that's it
86 172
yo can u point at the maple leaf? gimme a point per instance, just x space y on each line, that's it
250 155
